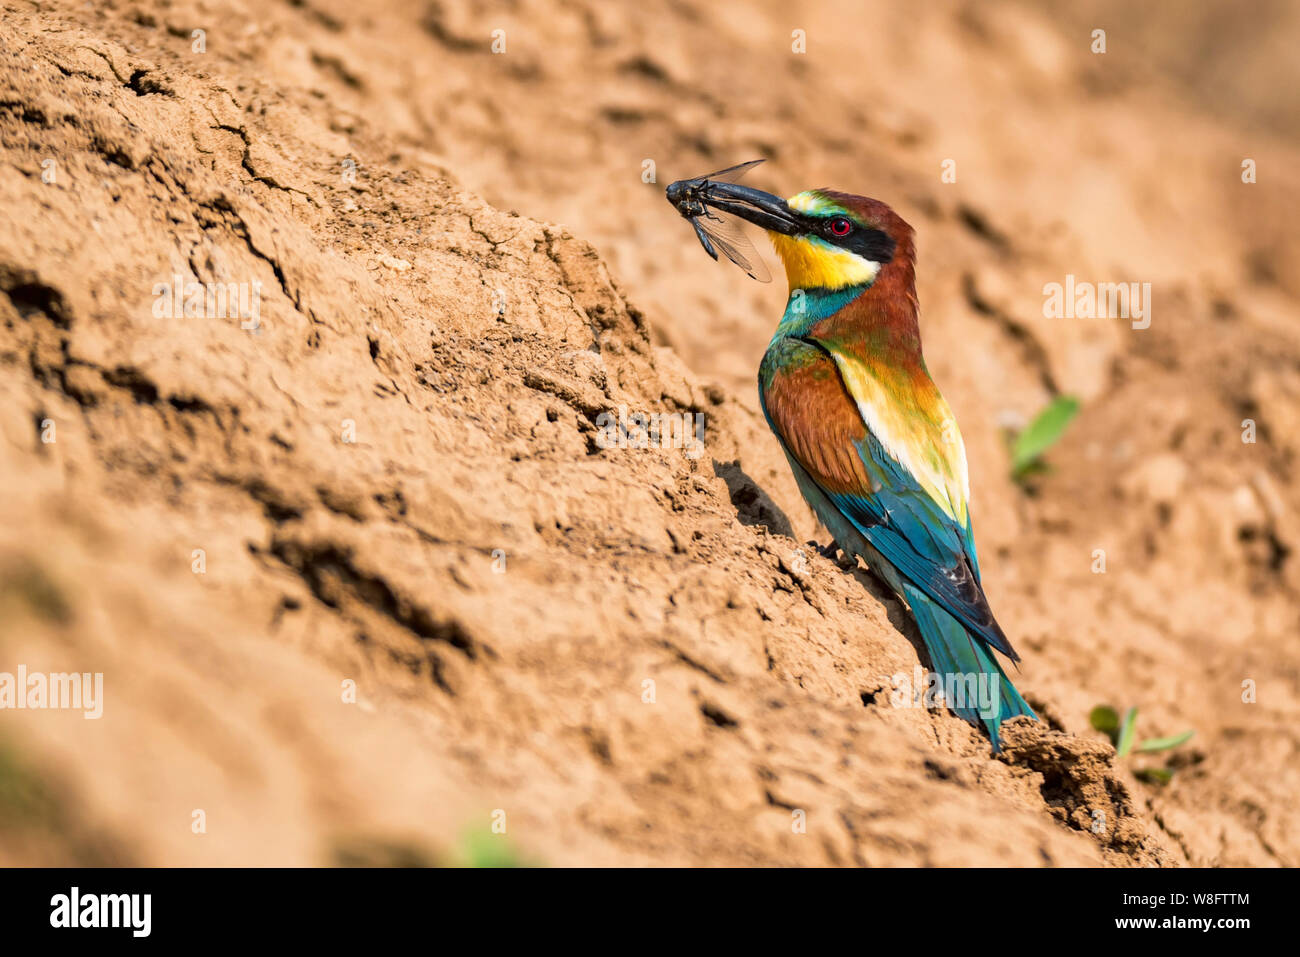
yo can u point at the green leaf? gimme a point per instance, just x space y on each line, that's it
1126 731
1105 719
1164 744
1154 775
1031 470
1042 433
480 847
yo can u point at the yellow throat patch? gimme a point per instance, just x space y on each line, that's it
811 262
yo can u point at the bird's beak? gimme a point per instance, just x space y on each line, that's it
755 206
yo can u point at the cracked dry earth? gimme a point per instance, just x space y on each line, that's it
394 479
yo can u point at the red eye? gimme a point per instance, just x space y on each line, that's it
841 227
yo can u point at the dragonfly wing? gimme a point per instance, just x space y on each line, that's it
731 241
732 173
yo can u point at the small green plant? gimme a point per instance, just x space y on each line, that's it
1029 446
480 847
475 847
1122 732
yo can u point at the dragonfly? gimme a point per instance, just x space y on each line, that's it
716 230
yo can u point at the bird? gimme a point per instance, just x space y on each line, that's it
872 443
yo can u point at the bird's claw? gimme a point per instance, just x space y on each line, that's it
826 551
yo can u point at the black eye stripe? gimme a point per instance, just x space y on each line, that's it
871 244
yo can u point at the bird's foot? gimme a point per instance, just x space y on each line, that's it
834 553
826 551
829 550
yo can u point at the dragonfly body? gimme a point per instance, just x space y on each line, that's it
703 238
698 203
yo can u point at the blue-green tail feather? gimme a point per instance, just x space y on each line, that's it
953 651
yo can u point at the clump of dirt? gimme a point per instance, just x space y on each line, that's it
1083 789
367 582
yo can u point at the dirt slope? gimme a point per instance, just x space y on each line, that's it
395 478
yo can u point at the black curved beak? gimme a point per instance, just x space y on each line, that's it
753 205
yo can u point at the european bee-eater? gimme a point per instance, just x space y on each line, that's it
871 442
